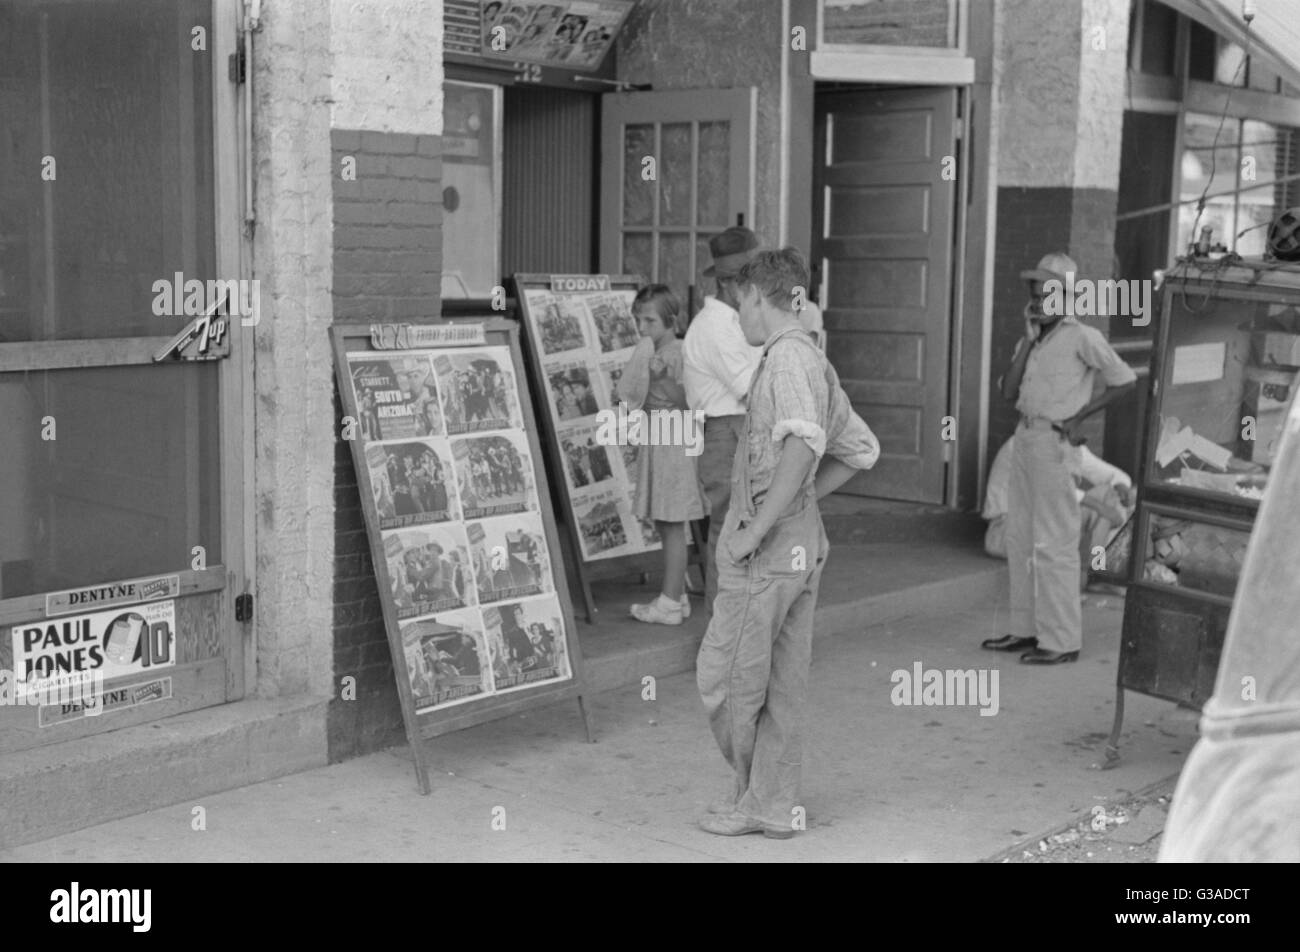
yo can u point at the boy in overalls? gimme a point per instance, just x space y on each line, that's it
753 666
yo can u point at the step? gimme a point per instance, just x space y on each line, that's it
854 520
862 585
129 771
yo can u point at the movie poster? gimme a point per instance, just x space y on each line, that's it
571 33
588 463
428 569
478 390
509 557
395 397
582 369
606 527
526 642
446 659
494 475
413 482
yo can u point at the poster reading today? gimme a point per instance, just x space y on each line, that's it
584 339
448 467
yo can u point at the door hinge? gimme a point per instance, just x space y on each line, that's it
238 64
244 607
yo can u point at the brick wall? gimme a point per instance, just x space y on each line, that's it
387 266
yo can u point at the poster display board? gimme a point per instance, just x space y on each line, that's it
580 334
447 460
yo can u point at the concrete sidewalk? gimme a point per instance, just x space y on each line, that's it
882 782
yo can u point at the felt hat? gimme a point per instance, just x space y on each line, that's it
731 251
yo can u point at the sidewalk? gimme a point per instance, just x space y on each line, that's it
882 782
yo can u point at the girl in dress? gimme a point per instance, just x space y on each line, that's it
666 487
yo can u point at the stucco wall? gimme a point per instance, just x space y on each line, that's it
365 66
700 44
387 69
1060 99
293 410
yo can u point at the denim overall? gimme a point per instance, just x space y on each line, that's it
752 669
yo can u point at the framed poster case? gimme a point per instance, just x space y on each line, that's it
580 333
464 545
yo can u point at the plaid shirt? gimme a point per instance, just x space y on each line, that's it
796 392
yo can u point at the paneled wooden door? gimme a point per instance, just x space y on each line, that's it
116 467
676 169
883 239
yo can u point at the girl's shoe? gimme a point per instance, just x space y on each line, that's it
657 613
686 606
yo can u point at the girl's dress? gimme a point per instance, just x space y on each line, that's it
667 489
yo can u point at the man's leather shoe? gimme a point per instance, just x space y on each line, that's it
737 824
1042 656
1008 643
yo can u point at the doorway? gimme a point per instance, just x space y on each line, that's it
883 250
121 500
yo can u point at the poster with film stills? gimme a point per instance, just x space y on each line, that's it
584 341
494 474
442 440
477 385
509 557
395 397
413 482
446 659
526 642
428 569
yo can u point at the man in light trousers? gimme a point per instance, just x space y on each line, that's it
1051 380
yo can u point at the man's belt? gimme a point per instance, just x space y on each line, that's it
1038 423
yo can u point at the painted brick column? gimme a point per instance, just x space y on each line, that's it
385 127
1059 77
293 408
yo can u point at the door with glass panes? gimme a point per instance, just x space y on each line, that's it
676 169
118 162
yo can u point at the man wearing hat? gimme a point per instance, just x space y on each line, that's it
718 364
1051 381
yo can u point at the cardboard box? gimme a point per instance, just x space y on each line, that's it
1266 397
1275 349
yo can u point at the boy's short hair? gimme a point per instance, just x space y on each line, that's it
666 304
776 274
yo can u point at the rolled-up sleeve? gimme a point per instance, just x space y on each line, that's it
850 440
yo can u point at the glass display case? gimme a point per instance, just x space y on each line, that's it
1224 371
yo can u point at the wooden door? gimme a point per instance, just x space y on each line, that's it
676 169
118 468
883 213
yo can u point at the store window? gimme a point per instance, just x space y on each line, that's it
111 463
471 228
1242 169
675 172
